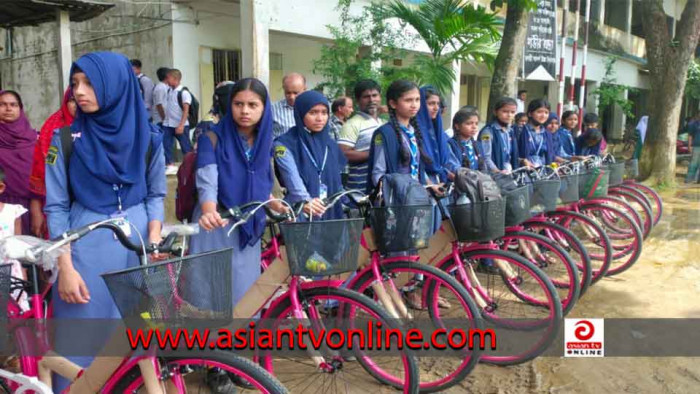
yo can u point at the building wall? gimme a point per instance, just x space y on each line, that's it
30 65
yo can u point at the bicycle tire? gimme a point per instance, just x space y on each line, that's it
643 210
431 292
600 240
630 251
566 239
226 361
621 205
409 383
570 282
550 325
636 192
655 199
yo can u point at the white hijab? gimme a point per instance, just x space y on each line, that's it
642 127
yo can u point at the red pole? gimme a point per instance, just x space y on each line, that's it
582 92
573 56
560 101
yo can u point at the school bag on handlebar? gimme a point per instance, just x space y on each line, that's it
477 210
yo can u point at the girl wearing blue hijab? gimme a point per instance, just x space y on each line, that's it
309 161
534 142
233 168
443 164
109 175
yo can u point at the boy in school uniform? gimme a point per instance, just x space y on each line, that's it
175 123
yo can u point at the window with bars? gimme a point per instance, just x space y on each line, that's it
227 65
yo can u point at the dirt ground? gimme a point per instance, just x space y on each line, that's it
664 283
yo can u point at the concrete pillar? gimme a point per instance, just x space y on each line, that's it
617 124
591 99
65 54
601 12
453 97
255 41
628 24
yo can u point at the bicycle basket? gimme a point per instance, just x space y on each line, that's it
401 228
594 183
517 206
326 247
617 172
193 287
5 279
544 195
479 221
568 191
631 169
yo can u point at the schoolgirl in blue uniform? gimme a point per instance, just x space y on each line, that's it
463 146
443 163
535 144
234 172
109 175
590 143
497 141
308 159
569 122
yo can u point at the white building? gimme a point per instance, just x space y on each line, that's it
214 40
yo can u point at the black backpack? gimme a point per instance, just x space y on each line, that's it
193 114
403 190
67 149
476 185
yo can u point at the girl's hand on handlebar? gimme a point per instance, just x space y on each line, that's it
315 207
71 287
528 163
278 206
211 220
438 190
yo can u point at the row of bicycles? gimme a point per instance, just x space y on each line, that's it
515 264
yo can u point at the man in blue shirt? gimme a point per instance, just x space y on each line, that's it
693 129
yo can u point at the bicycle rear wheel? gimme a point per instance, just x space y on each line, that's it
338 372
194 374
551 259
493 277
443 301
639 206
657 205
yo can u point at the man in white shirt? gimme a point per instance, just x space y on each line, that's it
175 123
521 100
283 111
160 97
145 84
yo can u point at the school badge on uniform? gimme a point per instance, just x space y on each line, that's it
280 151
51 155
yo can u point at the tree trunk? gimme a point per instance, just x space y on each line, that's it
668 59
510 54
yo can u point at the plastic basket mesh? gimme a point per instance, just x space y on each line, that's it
631 169
401 228
544 195
5 278
479 221
517 206
594 183
193 287
568 190
323 247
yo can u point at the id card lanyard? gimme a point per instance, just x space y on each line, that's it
313 161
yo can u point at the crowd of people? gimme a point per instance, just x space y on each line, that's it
105 154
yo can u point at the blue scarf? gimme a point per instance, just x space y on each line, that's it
241 180
392 154
497 155
527 146
566 141
108 163
309 150
434 138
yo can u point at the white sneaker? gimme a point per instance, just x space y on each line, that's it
171 170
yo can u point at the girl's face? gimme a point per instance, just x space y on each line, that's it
540 115
571 122
72 106
433 103
506 113
468 128
553 126
592 142
9 108
522 121
317 117
84 93
407 105
247 109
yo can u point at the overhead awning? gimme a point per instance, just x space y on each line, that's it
15 13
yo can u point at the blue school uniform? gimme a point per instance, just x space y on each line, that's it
582 149
310 164
466 151
499 148
232 174
435 143
536 147
108 175
385 156
566 142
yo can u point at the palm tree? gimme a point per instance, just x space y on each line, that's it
453 30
